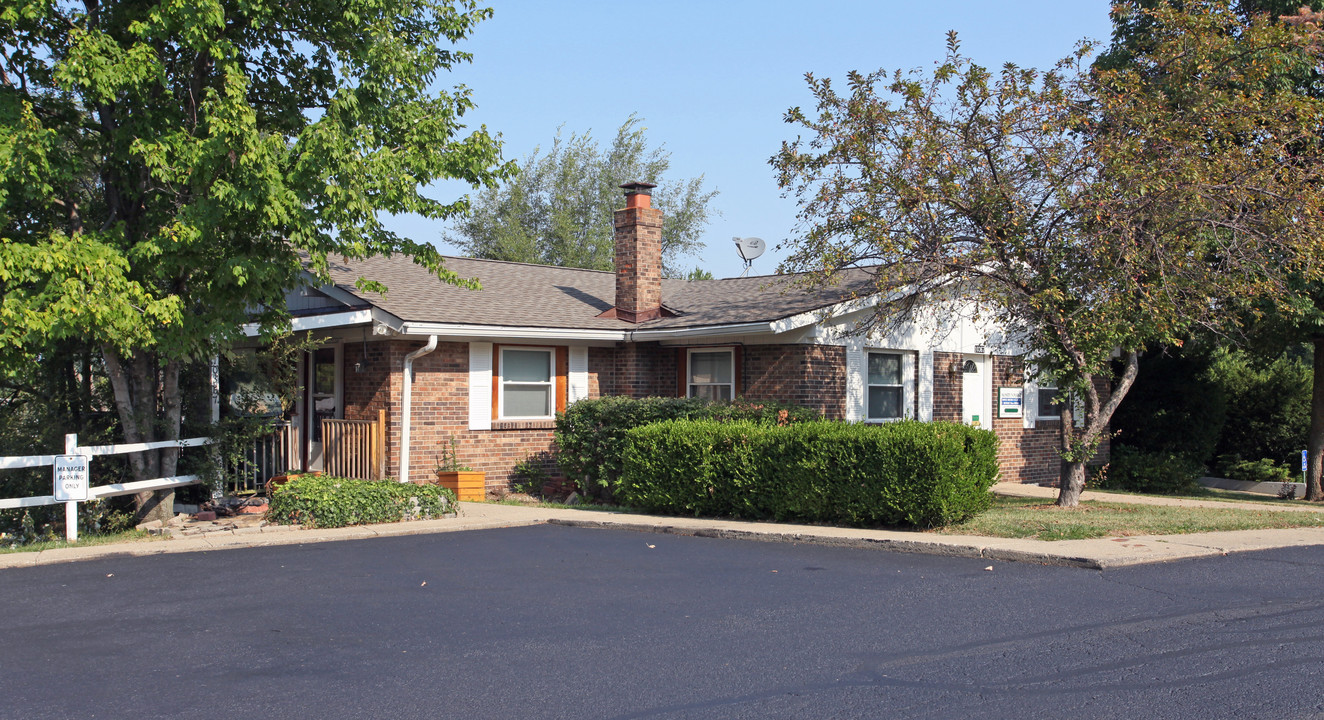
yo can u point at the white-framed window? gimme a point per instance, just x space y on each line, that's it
712 373
1047 399
885 391
528 383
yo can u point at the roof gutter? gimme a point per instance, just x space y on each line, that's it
406 404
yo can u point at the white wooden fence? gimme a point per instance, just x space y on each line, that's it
71 447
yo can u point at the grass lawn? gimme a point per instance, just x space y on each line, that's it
84 541
1037 518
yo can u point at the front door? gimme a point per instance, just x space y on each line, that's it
976 392
322 398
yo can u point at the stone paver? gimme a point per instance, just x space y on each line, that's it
1099 553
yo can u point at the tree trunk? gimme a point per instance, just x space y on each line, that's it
141 389
1097 417
1071 478
1315 442
1073 484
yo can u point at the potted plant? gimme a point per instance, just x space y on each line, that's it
467 483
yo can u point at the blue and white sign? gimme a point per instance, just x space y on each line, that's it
1011 402
1303 460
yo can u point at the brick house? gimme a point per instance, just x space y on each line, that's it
491 367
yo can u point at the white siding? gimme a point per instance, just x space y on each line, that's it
1029 403
908 383
924 382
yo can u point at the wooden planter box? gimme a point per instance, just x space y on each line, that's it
469 485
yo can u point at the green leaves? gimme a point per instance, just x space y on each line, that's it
558 210
1092 209
905 473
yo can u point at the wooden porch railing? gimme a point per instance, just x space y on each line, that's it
355 448
268 456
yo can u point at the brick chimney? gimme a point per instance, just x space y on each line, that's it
638 255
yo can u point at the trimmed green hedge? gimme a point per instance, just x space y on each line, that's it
328 502
590 434
904 473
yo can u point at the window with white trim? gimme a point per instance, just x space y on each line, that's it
886 394
1048 401
712 374
528 383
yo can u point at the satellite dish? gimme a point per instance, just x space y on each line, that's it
750 247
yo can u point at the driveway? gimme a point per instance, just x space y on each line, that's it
560 622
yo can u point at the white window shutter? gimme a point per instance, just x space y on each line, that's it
908 385
855 369
577 383
1029 403
924 381
480 386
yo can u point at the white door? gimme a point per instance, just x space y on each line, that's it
976 392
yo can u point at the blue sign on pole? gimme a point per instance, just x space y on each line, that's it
1303 460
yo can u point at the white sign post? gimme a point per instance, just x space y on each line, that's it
71 487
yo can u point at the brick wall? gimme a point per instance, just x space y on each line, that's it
946 387
813 376
635 370
440 412
809 375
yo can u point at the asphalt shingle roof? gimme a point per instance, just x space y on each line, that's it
521 295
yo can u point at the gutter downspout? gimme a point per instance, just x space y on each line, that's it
406 403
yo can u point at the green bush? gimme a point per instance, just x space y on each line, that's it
1263 470
904 473
1268 404
1164 473
590 434
328 502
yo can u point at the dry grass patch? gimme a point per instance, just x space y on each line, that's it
1032 518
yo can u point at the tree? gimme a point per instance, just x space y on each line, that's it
167 169
1092 211
558 209
1298 316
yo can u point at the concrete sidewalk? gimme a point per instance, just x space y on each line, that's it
1101 553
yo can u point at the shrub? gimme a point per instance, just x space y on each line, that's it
1151 472
328 502
1268 408
590 434
530 475
1260 471
904 473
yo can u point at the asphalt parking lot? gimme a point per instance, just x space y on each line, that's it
559 622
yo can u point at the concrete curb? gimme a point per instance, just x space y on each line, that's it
949 549
1094 554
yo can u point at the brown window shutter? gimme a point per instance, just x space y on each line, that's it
682 372
562 376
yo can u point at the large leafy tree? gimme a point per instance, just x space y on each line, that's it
1298 315
166 169
558 209
1092 211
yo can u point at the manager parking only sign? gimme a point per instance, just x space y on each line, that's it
71 478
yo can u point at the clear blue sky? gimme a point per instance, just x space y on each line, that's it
713 79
